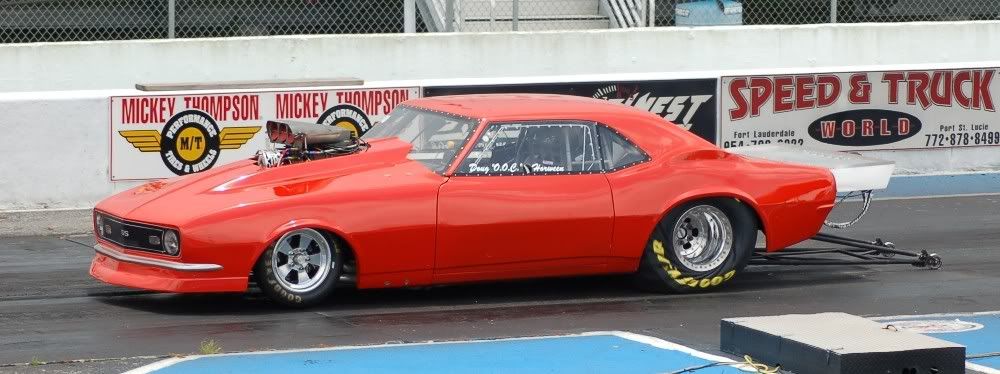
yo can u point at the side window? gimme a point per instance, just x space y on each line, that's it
534 149
618 152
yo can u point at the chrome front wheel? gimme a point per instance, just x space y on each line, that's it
302 260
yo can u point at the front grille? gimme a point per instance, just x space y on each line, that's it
132 235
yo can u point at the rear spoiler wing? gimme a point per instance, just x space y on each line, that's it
852 172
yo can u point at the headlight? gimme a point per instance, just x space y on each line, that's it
99 222
171 244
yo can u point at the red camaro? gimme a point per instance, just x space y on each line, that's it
462 189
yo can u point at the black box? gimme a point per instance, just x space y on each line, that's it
838 343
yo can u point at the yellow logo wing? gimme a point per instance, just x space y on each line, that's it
236 137
143 140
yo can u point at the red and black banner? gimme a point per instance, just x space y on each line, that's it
689 103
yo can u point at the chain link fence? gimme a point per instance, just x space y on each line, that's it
220 18
523 15
23 21
793 12
26 21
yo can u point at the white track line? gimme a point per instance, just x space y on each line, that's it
937 315
663 344
875 197
981 368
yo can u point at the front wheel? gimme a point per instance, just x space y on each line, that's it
300 268
697 246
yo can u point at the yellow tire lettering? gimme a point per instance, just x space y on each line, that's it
729 275
658 247
677 276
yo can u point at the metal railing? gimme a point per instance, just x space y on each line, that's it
70 20
785 12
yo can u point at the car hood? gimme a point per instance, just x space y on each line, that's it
176 201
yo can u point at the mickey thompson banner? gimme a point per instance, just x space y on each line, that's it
164 136
862 110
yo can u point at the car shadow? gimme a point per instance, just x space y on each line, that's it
591 290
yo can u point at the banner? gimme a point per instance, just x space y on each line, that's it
875 110
689 103
164 136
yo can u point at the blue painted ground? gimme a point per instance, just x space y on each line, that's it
934 185
984 340
572 354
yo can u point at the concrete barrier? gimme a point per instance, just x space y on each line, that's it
55 149
58 150
121 64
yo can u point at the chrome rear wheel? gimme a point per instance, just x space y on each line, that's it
703 238
697 246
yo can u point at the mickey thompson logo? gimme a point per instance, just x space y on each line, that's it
190 141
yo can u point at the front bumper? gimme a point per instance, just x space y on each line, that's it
169 265
115 266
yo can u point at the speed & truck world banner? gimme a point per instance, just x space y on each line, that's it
865 110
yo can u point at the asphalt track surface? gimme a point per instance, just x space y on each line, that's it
50 309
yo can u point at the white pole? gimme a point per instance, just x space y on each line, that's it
652 13
449 15
171 18
409 16
516 14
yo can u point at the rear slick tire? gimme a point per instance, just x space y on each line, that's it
300 269
698 246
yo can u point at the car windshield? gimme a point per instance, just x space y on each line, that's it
436 137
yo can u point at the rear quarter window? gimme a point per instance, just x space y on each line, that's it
618 152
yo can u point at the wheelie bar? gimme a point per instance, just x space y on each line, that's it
875 252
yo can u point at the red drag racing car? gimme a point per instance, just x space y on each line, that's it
459 189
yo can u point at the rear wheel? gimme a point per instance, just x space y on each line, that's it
300 268
697 246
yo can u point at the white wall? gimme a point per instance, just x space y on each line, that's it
55 150
98 65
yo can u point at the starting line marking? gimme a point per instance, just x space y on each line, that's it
601 351
979 332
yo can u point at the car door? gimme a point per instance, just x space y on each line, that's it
530 199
